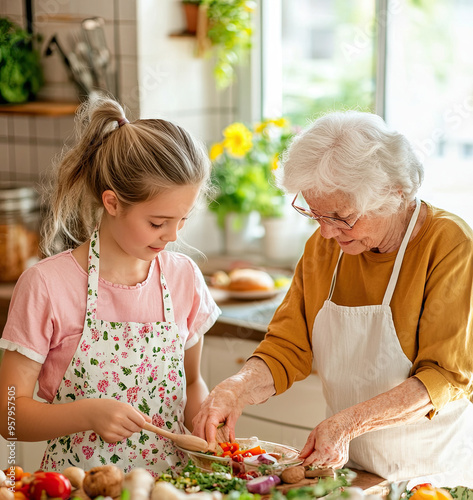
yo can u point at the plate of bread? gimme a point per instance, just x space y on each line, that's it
250 284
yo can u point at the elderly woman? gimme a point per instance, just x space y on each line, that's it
380 305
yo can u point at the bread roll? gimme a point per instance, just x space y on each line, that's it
245 280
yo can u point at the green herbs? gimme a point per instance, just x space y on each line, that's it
21 75
192 479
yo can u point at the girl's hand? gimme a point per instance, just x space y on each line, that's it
113 420
327 445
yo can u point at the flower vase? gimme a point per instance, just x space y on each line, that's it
239 232
281 242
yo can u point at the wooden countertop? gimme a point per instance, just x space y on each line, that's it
370 483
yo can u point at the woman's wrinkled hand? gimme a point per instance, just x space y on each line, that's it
114 420
221 406
327 445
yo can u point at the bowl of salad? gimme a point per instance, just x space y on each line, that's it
247 454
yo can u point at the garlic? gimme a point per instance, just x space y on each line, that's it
75 475
163 490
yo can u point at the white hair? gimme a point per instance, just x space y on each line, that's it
354 153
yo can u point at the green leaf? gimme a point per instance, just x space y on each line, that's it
143 438
114 459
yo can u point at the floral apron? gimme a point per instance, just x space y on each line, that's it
138 363
358 355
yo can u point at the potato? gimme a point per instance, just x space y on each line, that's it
293 475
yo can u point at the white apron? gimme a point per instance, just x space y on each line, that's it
138 363
358 355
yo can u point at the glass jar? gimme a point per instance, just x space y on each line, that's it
19 230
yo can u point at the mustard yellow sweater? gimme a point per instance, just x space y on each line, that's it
431 306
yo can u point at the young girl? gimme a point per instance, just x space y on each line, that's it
112 330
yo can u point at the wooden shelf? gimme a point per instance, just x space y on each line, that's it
39 108
182 34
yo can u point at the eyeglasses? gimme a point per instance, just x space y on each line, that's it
332 221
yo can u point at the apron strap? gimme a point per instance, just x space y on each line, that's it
93 272
334 276
400 255
167 302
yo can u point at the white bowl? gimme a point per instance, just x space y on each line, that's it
289 455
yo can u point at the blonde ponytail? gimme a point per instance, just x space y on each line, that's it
135 160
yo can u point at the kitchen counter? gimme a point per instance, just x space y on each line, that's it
244 319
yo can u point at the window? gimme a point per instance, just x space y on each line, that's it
408 60
327 57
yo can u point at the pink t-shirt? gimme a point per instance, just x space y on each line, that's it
47 310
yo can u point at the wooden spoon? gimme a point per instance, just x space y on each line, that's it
186 441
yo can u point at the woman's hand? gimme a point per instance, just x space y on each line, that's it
327 445
221 405
253 384
113 420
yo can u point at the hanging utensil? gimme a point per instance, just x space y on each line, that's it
99 53
74 72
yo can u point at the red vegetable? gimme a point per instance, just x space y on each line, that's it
262 485
423 485
52 484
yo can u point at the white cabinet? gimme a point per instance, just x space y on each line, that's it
287 418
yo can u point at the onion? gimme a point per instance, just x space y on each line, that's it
262 484
263 459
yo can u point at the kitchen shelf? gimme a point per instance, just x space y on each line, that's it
40 108
182 34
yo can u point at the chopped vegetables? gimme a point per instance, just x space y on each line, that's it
233 451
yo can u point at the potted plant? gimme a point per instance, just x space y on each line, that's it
21 74
243 174
191 13
223 27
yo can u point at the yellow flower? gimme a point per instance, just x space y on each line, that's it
280 122
259 127
216 150
238 139
275 161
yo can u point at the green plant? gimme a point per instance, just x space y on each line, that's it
229 32
244 165
21 74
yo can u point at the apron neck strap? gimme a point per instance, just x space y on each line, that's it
400 255
93 270
397 263
334 276
93 282
167 302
